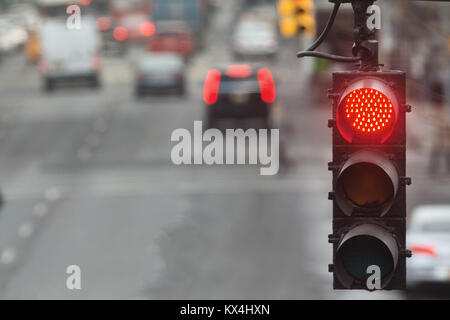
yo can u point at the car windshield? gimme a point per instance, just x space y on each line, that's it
253 29
436 226
159 63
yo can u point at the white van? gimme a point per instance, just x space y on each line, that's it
70 54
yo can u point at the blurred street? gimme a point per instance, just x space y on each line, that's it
87 179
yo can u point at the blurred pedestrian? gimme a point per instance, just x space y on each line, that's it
32 47
440 149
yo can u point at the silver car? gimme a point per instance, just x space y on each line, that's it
254 39
160 72
428 238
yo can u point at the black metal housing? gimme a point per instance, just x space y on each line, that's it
394 151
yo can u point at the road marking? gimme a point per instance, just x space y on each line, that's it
53 194
93 140
40 209
8 256
25 230
84 154
100 125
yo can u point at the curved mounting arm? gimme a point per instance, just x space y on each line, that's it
310 51
365 48
327 56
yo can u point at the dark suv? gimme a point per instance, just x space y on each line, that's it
238 92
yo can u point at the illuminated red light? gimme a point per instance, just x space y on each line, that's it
96 63
425 250
103 23
120 33
147 29
85 2
211 89
239 71
367 111
267 85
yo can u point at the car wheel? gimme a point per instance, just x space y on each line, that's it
181 90
138 93
265 122
95 82
212 121
49 85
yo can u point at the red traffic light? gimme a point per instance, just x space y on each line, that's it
367 111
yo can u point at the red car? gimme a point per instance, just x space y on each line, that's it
173 36
134 28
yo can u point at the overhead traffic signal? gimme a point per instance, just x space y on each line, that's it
369 179
305 17
296 17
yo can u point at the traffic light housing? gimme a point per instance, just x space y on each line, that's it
305 17
369 178
296 17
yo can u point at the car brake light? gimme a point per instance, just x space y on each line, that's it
44 66
266 85
428 250
211 89
147 29
239 71
120 33
96 63
103 23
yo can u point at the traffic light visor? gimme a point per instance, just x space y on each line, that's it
367 184
364 246
367 112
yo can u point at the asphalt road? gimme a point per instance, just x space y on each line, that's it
87 180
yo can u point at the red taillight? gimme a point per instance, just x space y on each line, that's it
44 66
96 63
367 111
267 85
120 33
177 75
428 250
239 71
211 89
103 23
147 29
140 76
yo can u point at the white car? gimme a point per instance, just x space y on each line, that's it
12 35
254 39
428 238
26 15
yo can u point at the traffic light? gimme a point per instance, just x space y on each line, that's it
369 179
305 17
296 17
287 21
